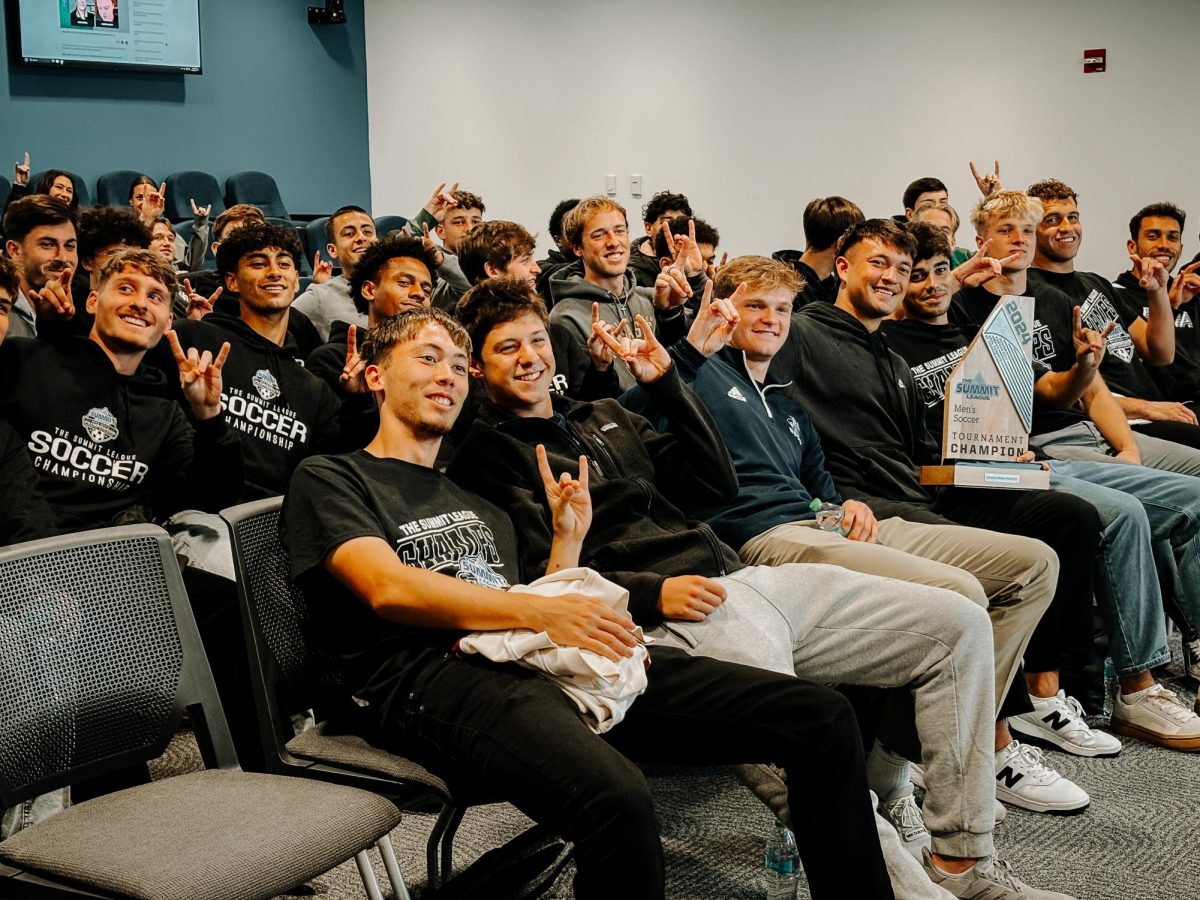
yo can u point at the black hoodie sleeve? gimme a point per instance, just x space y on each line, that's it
504 470
199 467
24 515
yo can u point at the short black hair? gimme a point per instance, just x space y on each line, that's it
104 226
252 237
662 202
705 233
556 217
826 219
922 186
376 257
341 211
34 211
886 231
1163 210
930 241
495 301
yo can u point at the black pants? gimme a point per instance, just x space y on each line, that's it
1176 432
514 733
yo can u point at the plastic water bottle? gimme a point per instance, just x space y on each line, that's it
829 516
1111 685
782 864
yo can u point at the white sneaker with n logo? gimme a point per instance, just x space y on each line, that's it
1058 722
1023 780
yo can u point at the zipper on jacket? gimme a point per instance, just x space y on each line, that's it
716 548
757 389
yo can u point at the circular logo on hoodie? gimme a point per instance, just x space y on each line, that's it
100 424
266 384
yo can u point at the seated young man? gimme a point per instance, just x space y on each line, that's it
822 622
1006 224
1137 506
399 561
604 285
41 240
644 256
506 248
102 231
350 230
1136 343
1156 232
108 443
280 412
562 254
451 214
206 281
825 221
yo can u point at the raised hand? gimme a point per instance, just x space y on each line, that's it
1150 273
714 269
352 379
989 183
441 201
686 252
21 171
322 270
690 597
1089 345
671 287
568 497
646 359
428 243
980 268
199 376
1186 285
600 352
715 321
200 306
156 202
54 301
200 211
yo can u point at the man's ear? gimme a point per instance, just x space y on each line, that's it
231 282
12 249
331 249
491 271
650 229
439 231
368 290
908 213
87 264
1131 246
475 369
373 377
842 265
978 240
91 303
664 261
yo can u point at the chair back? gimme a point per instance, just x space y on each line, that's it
5 187
385 225
257 188
184 187
314 239
99 657
112 188
291 670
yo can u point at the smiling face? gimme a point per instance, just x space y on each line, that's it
1060 232
45 252
456 225
353 232
874 278
522 266
132 311
162 240
265 280
404 283
423 382
605 246
765 318
1013 236
1161 238
930 287
138 195
516 362
62 188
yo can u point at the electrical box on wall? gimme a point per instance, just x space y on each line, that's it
1094 60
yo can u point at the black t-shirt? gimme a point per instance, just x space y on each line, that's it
932 352
1052 318
1180 381
429 521
1100 302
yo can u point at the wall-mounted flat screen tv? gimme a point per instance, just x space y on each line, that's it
150 35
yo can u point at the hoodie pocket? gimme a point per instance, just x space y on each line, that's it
682 633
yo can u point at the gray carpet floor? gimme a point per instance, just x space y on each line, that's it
1139 840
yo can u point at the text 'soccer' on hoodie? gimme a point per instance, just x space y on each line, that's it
282 412
109 447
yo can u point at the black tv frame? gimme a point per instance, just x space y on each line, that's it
17 55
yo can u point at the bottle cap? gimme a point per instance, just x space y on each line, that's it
815 504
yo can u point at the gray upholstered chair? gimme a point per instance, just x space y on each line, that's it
99 659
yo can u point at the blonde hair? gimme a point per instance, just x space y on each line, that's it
577 218
1006 204
759 273
148 262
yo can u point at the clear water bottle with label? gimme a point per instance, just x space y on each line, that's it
829 516
782 864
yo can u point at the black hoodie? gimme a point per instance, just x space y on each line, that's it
109 447
863 401
24 515
816 289
281 412
641 481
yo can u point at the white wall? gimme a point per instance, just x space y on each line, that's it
753 108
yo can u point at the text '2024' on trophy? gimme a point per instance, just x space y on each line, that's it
989 407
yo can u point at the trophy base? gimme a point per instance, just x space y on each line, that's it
1009 476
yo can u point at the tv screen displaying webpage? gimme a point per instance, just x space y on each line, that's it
155 35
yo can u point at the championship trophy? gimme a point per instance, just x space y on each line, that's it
989 407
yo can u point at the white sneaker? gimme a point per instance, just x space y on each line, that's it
1022 779
1058 721
1158 717
988 879
905 816
1001 812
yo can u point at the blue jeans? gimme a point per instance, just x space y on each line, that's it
1149 515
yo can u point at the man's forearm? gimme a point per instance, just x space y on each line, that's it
1059 390
1104 410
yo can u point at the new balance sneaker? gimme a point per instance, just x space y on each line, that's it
1159 717
1023 780
1058 722
905 816
988 879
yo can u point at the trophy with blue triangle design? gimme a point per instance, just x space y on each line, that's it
989 407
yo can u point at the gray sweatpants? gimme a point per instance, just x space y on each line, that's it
829 624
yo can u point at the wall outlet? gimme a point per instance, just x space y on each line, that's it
610 185
635 185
